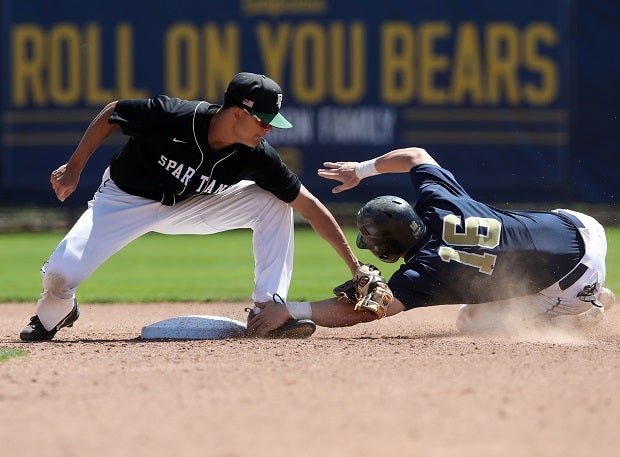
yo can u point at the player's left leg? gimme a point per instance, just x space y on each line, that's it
243 205
502 316
112 220
565 310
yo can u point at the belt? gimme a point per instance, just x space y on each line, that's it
572 218
573 276
577 272
164 199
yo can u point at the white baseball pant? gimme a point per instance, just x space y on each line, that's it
114 218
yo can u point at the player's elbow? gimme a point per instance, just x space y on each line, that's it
419 156
311 209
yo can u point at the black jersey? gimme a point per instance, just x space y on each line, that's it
474 253
168 158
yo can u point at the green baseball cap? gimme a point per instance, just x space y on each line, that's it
259 95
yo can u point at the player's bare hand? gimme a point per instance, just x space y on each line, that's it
272 316
340 171
64 181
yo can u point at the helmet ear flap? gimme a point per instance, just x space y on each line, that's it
386 253
381 249
360 243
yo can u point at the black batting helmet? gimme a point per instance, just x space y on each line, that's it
389 227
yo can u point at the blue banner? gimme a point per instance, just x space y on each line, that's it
487 87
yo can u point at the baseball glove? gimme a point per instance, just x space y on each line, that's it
368 291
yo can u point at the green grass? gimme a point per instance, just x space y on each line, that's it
6 354
196 268
175 268
613 259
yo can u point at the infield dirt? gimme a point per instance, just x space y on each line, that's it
409 385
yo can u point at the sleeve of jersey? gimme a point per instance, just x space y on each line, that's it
429 179
138 117
271 174
413 289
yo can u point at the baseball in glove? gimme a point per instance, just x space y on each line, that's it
368 291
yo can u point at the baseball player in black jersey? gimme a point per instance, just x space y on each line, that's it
537 266
188 167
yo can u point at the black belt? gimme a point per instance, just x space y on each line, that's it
581 268
572 218
573 276
164 199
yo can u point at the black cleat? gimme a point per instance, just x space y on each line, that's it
35 331
292 328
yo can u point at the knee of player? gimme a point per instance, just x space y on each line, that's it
56 282
466 321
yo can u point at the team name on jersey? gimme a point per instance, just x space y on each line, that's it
185 173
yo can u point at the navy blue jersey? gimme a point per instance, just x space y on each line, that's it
168 158
474 253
